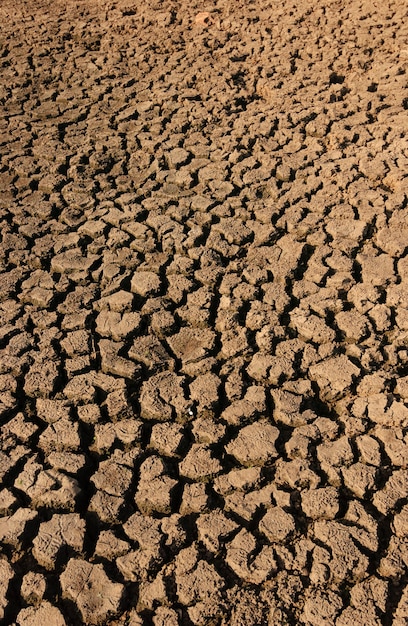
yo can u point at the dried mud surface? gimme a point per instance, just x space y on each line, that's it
204 313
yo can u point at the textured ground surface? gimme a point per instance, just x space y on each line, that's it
204 313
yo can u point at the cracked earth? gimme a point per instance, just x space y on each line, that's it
204 313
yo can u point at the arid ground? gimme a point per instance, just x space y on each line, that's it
204 313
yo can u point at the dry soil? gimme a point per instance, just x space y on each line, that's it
204 313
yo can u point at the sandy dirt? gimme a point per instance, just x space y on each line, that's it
204 313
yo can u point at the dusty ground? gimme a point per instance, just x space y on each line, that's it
204 313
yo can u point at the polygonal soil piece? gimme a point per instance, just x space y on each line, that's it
401 612
116 325
72 261
160 394
242 410
241 479
367 616
165 617
393 239
195 498
145 530
295 474
287 408
346 561
76 342
353 324
13 527
49 488
199 463
311 327
204 390
394 490
177 157
363 528
41 378
112 363
88 587
277 524
206 430
197 582
321 503
372 590
33 587
400 522
239 553
139 565
155 495
214 528
359 478
8 502
56 536
6 575
247 505
369 449
154 592
166 438
192 344
322 607
52 410
394 564
112 478
155 489
119 301
109 546
334 375
106 506
45 613
20 427
254 444
151 352
145 283
336 453
61 435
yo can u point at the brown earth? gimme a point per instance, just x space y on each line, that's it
204 313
